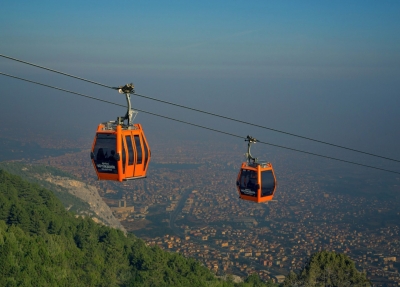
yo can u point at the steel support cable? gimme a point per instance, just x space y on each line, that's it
200 126
58 72
60 89
207 113
264 127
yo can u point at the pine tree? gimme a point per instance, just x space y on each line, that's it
328 269
18 216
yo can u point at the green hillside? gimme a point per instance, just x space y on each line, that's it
34 173
41 244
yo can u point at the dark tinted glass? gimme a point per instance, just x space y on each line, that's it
146 153
267 183
248 182
123 155
130 150
104 151
138 149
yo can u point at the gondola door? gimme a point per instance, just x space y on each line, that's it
130 156
139 156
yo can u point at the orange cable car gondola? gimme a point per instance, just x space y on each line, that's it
120 151
256 181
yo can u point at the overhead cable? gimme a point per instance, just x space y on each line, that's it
199 126
208 113
58 72
264 127
60 89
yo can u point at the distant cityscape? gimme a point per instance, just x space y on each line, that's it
189 204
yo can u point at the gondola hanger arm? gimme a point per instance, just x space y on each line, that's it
128 89
250 140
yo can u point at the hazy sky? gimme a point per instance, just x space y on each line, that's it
324 69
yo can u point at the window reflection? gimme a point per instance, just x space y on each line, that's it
267 183
248 182
104 153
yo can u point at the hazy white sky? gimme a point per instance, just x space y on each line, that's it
327 70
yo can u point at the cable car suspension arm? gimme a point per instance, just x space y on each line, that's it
249 157
130 115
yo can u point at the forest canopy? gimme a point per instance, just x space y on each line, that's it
42 244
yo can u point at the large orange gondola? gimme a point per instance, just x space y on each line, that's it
256 181
120 150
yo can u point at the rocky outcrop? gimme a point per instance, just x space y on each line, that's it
89 194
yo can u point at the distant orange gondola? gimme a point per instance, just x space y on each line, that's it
256 181
120 151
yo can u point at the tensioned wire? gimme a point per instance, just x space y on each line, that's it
199 126
204 112
55 71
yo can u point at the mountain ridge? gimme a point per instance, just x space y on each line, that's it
76 196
